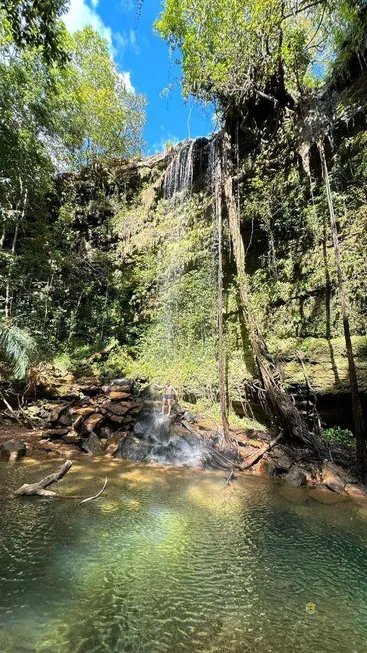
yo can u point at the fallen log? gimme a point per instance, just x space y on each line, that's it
30 489
251 460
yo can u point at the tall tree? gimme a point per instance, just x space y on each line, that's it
102 117
36 24
359 424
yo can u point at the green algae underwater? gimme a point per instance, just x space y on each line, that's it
176 560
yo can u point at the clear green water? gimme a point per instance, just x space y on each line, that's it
174 561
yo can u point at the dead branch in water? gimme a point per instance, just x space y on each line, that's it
30 489
95 496
230 478
251 460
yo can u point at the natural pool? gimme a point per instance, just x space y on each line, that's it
174 560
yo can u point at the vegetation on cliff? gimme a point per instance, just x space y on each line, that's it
157 268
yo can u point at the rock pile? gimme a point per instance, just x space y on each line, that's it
93 417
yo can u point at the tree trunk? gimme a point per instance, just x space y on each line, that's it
222 367
280 405
359 425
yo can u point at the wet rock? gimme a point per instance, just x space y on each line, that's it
189 417
134 449
282 461
335 477
140 429
295 476
264 467
93 445
356 490
13 449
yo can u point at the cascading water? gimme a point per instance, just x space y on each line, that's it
180 172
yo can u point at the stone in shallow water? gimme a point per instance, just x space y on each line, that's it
296 476
265 467
13 448
140 429
134 449
335 477
356 490
93 445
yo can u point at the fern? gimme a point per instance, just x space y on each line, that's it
17 348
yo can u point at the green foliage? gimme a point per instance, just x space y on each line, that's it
337 435
56 116
103 117
36 24
234 49
17 348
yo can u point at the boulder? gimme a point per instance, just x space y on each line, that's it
93 423
356 490
125 383
55 434
264 467
134 449
71 438
13 449
335 477
116 419
118 395
56 413
106 432
140 429
93 445
295 476
281 459
83 411
65 419
189 417
114 408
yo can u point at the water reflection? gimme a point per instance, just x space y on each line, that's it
175 560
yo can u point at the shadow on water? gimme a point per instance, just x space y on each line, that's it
174 560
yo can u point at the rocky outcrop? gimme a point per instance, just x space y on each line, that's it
296 476
118 419
339 480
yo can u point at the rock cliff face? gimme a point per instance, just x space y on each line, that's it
127 260
133 222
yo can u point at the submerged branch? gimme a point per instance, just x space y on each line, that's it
95 496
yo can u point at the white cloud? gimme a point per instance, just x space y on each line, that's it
126 78
128 5
80 14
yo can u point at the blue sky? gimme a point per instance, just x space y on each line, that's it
143 58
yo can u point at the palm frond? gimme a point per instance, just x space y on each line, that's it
17 348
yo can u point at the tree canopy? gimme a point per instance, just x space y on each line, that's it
36 24
232 49
53 117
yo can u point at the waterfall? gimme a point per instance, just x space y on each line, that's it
180 172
